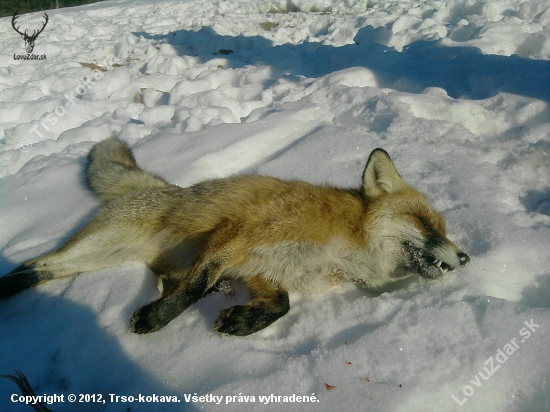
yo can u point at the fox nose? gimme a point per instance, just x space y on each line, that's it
464 258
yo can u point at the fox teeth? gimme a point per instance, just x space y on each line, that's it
437 263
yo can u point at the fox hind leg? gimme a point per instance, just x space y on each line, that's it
217 254
34 271
111 172
159 313
269 303
92 248
22 278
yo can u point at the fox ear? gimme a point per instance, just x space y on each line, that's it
380 175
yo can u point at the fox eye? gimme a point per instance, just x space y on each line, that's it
425 223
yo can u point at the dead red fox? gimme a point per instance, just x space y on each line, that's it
274 235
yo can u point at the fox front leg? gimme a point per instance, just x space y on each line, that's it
269 303
157 314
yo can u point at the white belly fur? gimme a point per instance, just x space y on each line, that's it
303 267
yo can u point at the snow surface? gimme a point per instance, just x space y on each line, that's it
456 91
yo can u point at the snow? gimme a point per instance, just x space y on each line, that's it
456 91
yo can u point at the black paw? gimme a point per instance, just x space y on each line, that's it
242 320
237 320
144 320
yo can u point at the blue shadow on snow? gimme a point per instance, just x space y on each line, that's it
463 72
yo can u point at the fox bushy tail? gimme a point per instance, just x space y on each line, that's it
113 172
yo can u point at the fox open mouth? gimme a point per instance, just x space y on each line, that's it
442 266
424 263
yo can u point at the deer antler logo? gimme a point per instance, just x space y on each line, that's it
29 39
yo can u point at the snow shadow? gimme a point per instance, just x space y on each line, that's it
538 294
463 72
537 202
62 350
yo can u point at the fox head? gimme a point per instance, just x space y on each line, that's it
409 234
